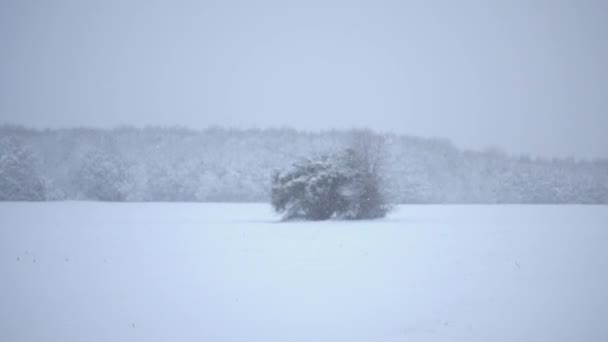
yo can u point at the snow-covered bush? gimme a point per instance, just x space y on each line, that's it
310 190
345 185
19 179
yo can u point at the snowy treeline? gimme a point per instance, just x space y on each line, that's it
216 164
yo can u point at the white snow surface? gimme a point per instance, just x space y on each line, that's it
89 271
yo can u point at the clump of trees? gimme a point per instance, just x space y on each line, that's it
346 185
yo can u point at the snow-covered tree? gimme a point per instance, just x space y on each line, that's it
19 179
363 163
102 176
174 182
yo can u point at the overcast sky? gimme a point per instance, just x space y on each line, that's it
528 76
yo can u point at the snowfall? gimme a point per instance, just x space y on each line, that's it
89 271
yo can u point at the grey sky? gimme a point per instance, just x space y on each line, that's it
529 76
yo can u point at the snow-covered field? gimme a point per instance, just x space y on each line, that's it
86 271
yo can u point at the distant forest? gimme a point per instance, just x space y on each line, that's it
219 164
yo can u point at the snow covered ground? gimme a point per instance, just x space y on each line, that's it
86 271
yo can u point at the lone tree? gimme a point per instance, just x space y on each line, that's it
364 163
346 185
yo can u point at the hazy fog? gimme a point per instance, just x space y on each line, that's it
529 76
